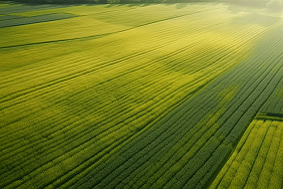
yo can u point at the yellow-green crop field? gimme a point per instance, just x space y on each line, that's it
257 160
140 96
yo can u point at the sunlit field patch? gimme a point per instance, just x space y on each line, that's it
257 160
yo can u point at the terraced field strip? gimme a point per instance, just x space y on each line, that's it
136 108
257 160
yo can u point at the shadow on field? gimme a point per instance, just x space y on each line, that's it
129 5
181 5
146 4
139 4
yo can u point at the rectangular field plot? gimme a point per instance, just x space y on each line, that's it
8 17
257 161
33 20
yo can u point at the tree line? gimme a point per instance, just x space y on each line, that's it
246 2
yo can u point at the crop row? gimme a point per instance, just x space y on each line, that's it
257 159
33 79
96 111
187 146
68 126
98 25
274 103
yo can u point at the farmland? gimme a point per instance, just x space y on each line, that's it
140 96
257 160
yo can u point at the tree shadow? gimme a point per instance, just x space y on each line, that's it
146 4
181 5
132 4
140 4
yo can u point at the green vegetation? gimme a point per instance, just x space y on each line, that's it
122 96
274 4
257 160
13 20
274 103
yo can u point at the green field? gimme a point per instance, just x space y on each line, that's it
140 96
257 160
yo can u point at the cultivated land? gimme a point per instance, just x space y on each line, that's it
140 96
257 160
